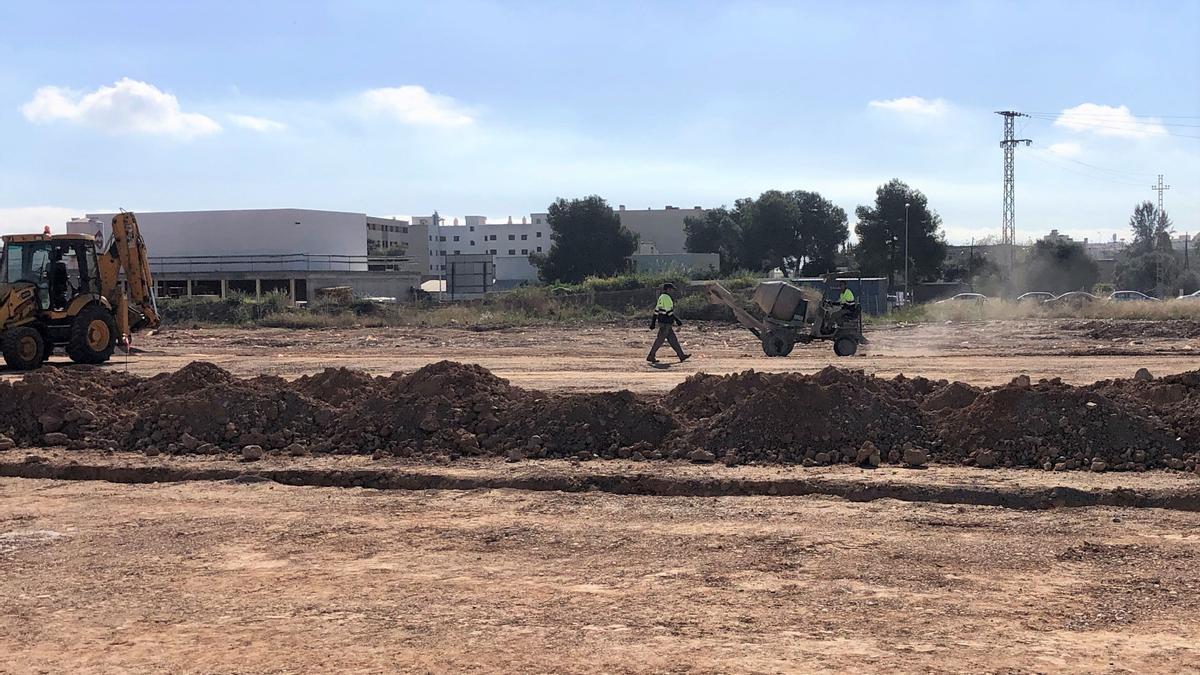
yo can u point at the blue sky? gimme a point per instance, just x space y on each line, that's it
497 108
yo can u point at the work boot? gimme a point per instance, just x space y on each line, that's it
651 359
684 357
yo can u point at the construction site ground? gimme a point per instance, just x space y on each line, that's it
117 561
604 357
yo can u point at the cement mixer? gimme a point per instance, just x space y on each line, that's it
795 315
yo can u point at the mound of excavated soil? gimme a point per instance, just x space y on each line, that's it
1053 425
449 409
611 424
1113 329
793 418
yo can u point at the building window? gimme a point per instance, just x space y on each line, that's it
512 251
524 237
457 252
538 235
539 249
512 237
524 251
537 221
441 239
455 237
472 242
431 237
493 251
404 230
472 228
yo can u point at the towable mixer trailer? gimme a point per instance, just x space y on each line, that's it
795 315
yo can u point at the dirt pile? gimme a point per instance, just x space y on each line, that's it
1054 426
793 418
449 410
1136 330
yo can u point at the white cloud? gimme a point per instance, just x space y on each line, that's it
412 104
1107 120
129 106
31 219
260 124
1067 149
912 105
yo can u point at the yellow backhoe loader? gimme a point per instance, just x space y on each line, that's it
59 291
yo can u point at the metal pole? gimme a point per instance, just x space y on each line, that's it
907 291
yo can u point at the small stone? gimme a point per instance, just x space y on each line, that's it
865 453
535 442
189 441
6 443
151 451
821 458
252 453
1099 465
50 423
986 459
514 455
637 457
1021 381
1143 375
71 416
702 456
206 449
296 450
56 438
430 424
34 459
915 457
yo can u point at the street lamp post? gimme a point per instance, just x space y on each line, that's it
907 291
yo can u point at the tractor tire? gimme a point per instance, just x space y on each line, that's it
24 348
93 335
776 344
845 346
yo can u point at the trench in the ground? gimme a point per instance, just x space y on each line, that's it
1014 497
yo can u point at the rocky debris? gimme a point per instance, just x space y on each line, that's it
1125 329
790 418
1142 375
252 453
56 438
447 410
336 386
915 457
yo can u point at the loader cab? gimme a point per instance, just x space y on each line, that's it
61 267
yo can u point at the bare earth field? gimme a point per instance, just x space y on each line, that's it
607 357
561 566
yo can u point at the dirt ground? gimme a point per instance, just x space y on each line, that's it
607 357
226 577
583 574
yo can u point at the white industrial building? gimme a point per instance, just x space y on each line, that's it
259 250
510 243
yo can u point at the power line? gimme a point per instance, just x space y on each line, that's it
1053 161
1176 117
1093 166
1008 225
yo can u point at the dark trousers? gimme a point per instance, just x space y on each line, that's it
666 333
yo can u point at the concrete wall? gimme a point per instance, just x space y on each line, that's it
384 233
661 227
243 232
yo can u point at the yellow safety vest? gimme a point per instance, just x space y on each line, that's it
846 296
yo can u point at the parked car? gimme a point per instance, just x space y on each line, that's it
1072 299
1035 296
1190 296
978 298
1131 296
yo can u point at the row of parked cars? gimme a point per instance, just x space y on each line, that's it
1072 298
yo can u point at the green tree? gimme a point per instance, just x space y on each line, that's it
822 230
586 239
881 234
1151 230
715 232
1058 267
770 229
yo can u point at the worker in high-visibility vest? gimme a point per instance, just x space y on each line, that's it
664 318
846 296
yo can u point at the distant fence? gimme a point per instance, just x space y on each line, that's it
280 262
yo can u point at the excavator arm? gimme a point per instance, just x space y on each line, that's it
135 305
